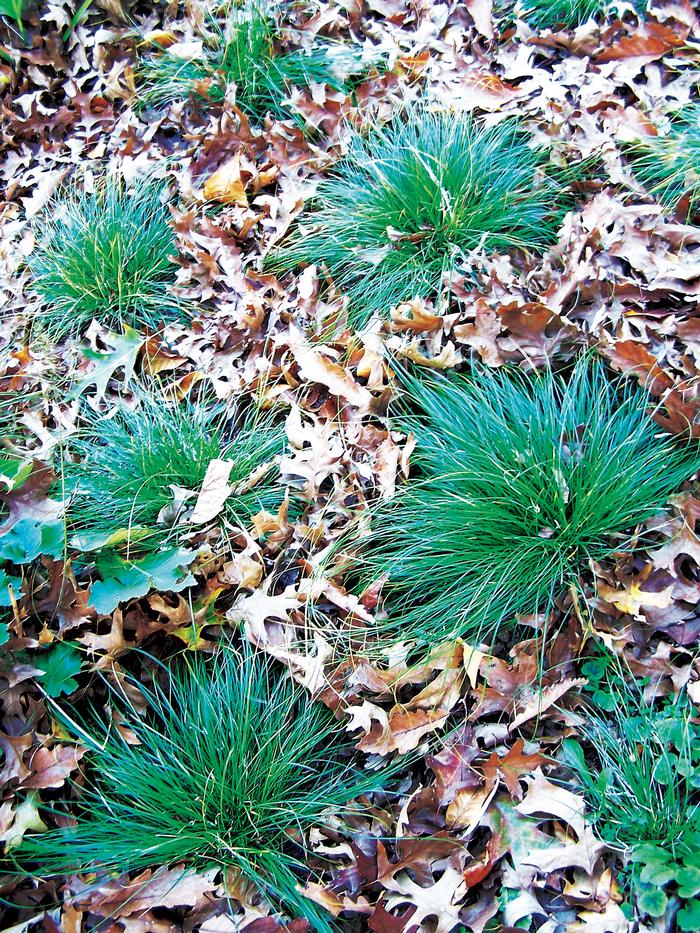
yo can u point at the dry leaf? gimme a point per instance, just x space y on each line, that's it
226 185
214 492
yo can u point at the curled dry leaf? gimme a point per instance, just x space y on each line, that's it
214 492
226 185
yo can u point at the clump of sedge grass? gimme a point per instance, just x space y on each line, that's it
566 14
640 776
104 254
234 764
520 481
134 469
668 165
411 201
244 51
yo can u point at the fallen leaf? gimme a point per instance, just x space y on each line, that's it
214 492
226 185
632 599
49 767
511 767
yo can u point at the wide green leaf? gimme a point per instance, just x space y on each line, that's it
30 537
126 579
59 666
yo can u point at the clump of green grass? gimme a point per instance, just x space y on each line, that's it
567 14
104 254
520 481
641 779
127 465
244 51
234 764
668 165
411 201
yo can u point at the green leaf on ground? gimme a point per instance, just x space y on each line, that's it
14 471
28 538
689 916
59 666
5 582
125 579
651 900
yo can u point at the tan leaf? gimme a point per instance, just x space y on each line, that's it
633 599
482 334
650 41
166 888
315 366
403 728
115 9
416 317
543 699
481 11
549 800
187 51
25 817
415 64
513 766
632 356
158 37
260 607
441 902
469 806
686 543
472 661
446 358
214 492
226 185
243 570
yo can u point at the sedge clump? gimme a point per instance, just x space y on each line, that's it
242 49
519 482
228 764
412 203
131 477
106 254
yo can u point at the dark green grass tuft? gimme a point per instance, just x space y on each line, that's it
104 255
520 481
235 763
669 165
128 463
243 50
410 202
566 14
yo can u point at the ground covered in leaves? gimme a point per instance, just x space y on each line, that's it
487 826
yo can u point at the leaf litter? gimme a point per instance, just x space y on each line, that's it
486 829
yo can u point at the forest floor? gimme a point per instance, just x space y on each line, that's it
486 828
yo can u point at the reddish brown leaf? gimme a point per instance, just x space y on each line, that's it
50 767
629 356
652 40
512 766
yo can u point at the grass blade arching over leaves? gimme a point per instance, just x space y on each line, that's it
105 254
235 763
134 469
519 480
410 202
243 51
668 165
